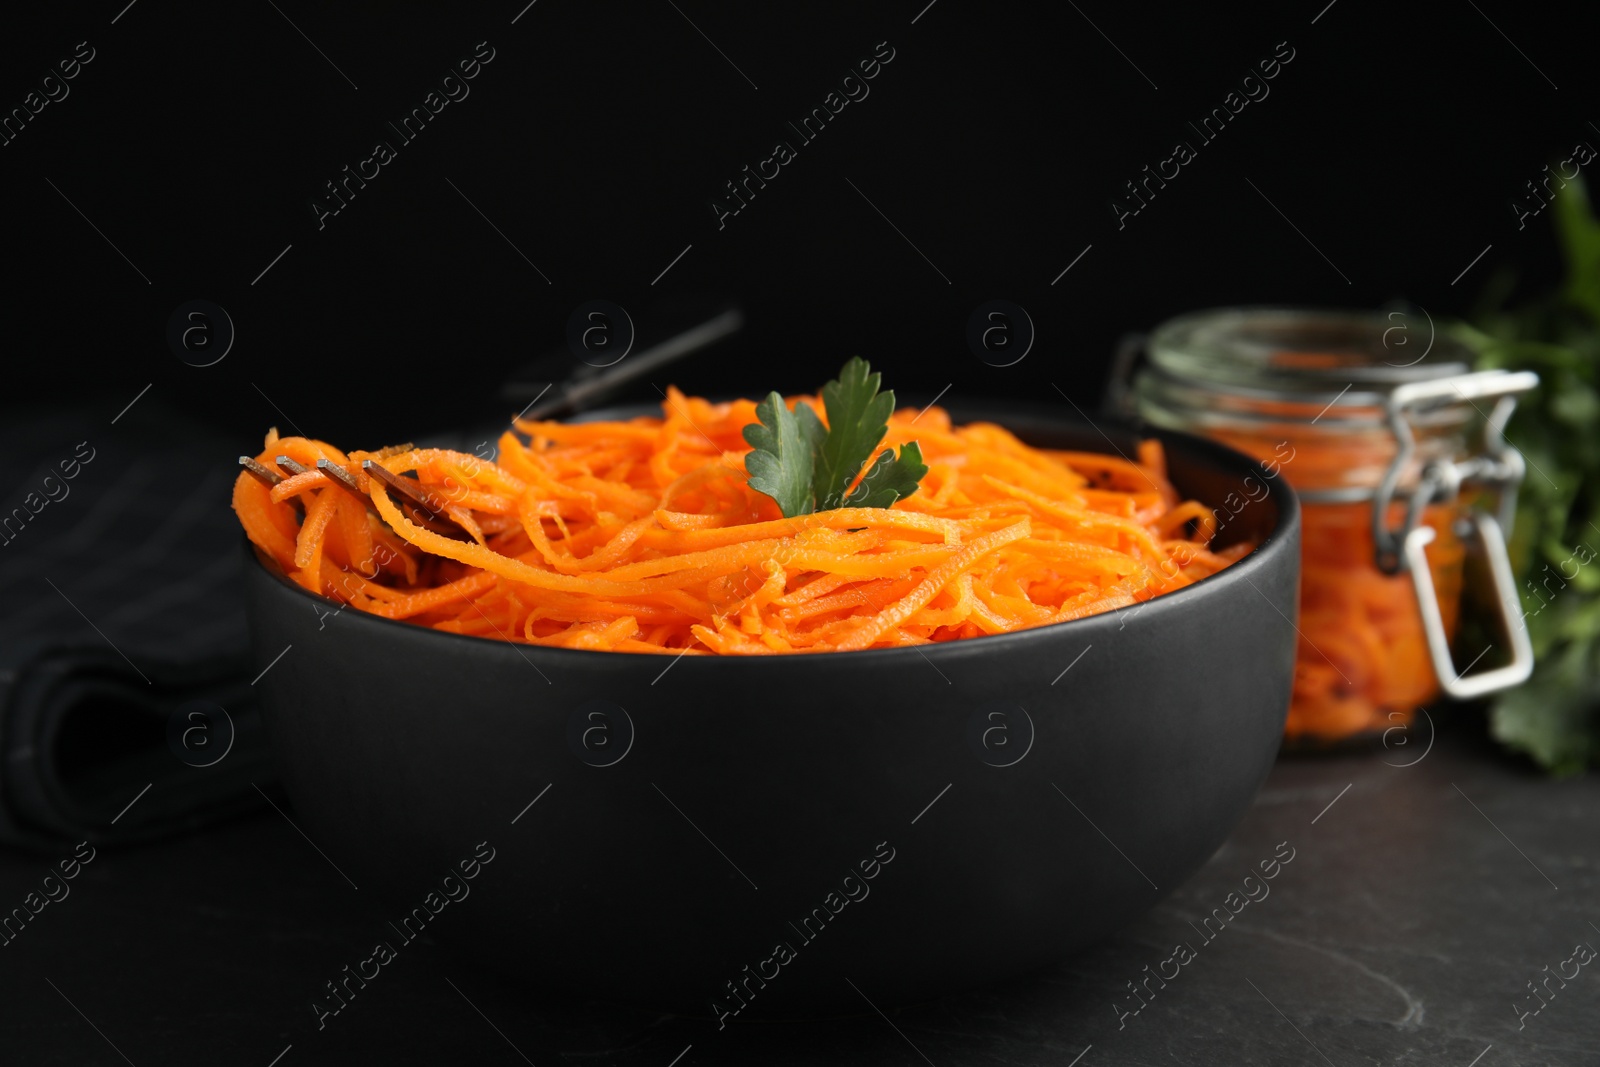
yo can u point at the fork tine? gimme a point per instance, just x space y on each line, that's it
406 487
260 472
290 465
422 506
341 477
269 478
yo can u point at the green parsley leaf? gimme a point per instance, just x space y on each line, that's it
858 417
1556 724
780 463
807 467
890 478
1555 716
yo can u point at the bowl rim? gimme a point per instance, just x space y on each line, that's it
1274 543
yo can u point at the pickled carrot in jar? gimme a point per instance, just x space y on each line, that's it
1362 664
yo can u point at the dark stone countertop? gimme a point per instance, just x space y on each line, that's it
1419 902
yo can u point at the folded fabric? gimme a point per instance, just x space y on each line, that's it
126 710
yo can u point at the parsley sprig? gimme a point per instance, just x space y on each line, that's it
807 467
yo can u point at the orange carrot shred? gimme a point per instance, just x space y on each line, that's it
645 536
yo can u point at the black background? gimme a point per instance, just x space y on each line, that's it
1395 141
995 140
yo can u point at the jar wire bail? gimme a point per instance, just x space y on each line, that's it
1498 470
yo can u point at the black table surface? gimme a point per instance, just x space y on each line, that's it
1428 887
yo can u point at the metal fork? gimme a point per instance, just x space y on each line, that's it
417 504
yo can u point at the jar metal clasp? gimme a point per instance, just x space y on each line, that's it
1497 470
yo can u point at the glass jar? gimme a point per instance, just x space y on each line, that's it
1395 457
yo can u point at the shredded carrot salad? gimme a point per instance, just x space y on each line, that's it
644 536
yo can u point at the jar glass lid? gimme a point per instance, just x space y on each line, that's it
1353 358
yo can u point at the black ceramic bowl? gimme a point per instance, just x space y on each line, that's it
910 821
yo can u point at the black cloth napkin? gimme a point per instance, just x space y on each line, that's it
126 710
